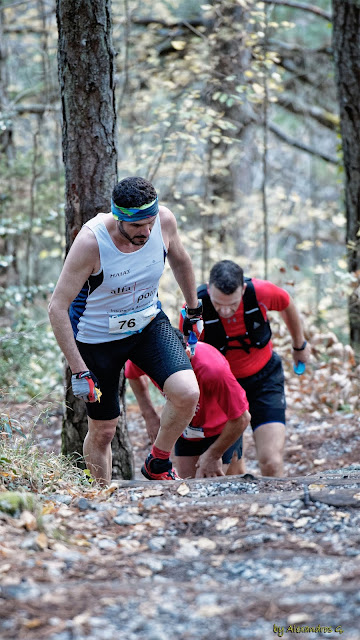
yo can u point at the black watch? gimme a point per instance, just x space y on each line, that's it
302 346
194 312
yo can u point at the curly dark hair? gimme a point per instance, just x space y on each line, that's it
133 192
226 276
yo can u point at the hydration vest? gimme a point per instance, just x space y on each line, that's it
258 330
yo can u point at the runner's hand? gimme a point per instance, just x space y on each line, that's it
86 386
152 428
193 320
193 324
208 467
303 354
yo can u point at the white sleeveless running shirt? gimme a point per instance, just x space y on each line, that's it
121 299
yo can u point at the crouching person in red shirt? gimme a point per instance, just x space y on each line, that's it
212 444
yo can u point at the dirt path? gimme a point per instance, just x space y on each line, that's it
314 442
222 559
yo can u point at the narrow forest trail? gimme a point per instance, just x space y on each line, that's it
223 559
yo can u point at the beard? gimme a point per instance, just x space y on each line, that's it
138 241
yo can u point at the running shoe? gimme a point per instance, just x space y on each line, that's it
167 474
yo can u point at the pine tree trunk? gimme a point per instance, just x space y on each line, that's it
346 45
86 75
9 274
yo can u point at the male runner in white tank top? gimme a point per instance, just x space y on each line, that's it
105 310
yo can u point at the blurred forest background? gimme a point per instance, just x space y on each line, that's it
230 108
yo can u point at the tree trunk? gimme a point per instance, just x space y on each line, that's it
9 274
86 74
230 177
346 45
75 429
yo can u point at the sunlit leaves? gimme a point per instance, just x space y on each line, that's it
306 245
339 220
178 45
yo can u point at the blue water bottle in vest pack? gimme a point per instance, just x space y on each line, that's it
192 341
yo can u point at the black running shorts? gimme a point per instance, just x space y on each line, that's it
188 447
156 350
265 393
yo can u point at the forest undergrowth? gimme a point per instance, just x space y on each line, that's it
330 386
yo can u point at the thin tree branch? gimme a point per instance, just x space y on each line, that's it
156 165
37 109
193 29
297 48
11 335
303 7
24 29
265 148
296 70
14 4
126 56
196 22
300 145
325 118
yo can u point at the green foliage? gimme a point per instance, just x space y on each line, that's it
302 27
31 220
13 502
87 474
23 466
9 427
30 360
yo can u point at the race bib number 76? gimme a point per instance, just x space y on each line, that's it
131 322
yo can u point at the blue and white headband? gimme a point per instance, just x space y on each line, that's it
136 213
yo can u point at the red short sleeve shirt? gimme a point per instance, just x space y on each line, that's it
221 396
270 298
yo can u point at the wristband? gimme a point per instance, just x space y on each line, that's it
82 374
86 386
194 312
302 346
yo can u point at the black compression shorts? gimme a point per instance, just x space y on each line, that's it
156 350
188 447
265 393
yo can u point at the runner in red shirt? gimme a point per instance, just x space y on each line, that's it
257 369
221 416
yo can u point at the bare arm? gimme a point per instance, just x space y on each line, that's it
293 322
209 463
78 266
140 387
179 259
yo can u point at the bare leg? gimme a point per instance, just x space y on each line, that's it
236 466
270 443
186 466
182 394
97 449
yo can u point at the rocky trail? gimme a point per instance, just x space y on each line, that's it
223 559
